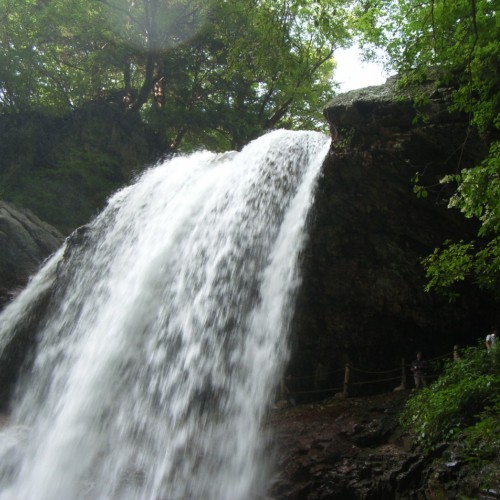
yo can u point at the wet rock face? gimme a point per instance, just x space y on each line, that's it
25 241
362 299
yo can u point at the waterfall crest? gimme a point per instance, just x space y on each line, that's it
166 332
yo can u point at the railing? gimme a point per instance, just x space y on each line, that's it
357 378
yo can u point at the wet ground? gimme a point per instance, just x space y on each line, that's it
342 448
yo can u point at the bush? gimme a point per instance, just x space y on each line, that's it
482 440
462 404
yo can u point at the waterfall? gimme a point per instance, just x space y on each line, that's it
166 332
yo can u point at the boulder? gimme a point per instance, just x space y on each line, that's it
25 241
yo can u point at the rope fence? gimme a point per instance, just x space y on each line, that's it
292 387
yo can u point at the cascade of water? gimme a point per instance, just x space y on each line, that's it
166 332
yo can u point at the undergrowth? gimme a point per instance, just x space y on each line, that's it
462 405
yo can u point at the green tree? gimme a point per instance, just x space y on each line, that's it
214 73
477 195
54 55
248 70
459 41
87 86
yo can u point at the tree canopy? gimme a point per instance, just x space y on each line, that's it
205 72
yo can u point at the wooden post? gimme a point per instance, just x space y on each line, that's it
403 374
347 377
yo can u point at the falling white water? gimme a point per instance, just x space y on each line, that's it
166 333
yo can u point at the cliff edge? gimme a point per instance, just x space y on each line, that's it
362 299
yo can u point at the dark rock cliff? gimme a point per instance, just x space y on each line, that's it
362 300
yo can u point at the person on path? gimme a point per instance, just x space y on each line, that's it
491 339
418 369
